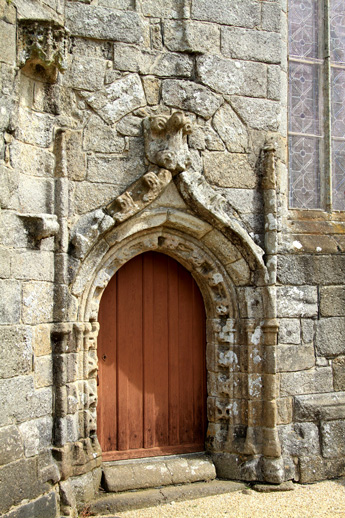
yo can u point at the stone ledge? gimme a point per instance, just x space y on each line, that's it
156 472
324 407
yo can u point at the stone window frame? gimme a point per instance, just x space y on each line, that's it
325 203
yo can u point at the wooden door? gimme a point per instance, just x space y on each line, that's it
151 351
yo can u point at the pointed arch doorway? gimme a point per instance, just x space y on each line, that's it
151 353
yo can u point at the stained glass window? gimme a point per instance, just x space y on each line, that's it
317 104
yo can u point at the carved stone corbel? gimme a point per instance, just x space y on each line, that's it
40 226
42 47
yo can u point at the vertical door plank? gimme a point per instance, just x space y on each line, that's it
148 345
174 387
199 366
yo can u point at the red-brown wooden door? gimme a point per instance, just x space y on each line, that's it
151 352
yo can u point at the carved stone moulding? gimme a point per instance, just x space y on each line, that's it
42 49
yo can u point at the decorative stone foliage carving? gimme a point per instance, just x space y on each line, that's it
42 49
166 141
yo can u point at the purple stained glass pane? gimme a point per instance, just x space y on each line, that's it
337 27
338 174
304 30
304 165
304 98
338 102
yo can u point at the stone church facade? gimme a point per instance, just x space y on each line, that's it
130 126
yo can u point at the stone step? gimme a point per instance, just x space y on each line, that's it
126 475
114 503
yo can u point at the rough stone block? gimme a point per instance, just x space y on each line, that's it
34 128
15 351
239 272
10 302
43 371
101 138
102 23
229 170
297 301
339 373
332 439
8 188
30 160
12 231
7 42
36 435
332 301
35 195
5 263
117 99
234 77
152 89
241 13
41 340
289 331
330 336
308 330
190 36
83 488
284 410
76 159
33 265
85 73
304 382
38 302
231 129
300 439
191 97
164 8
260 114
276 88
251 45
295 357
19 481
11 446
43 507
324 407
311 269
313 468
271 19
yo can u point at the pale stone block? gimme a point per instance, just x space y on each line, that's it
33 265
240 272
231 129
76 159
297 301
30 160
15 351
242 13
12 231
339 373
226 251
8 188
38 302
324 407
7 42
227 76
164 8
5 263
41 341
85 74
36 435
43 371
11 446
191 36
306 382
330 336
332 437
102 23
275 90
118 4
284 410
300 439
251 45
10 301
289 331
130 125
271 19
101 138
191 97
35 195
295 357
311 269
261 114
152 89
332 301
90 196
229 170
34 128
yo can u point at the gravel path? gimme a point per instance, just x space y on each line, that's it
324 499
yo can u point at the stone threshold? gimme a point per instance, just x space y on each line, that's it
111 504
150 472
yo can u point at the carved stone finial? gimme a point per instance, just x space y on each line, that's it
166 141
42 49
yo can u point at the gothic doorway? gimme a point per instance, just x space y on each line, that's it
151 353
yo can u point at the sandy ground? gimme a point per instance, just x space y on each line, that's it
324 499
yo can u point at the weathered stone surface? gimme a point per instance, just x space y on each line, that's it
276 87
36 435
330 336
15 351
10 301
295 357
164 8
231 129
190 36
11 446
76 159
311 269
117 99
152 89
33 265
191 97
90 196
12 231
300 439
34 128
296 301
242 13
261 114
41 340
308 330
8 188
35 195
332 439
7 42
313 468
271 16
130 126
306 382
229 170
236 77
284 410
332 301
44 507
324 407
251 45
43 371
83 488
161 64
289 331
85 74
102 23
37 302
339 373
99 137
30 160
